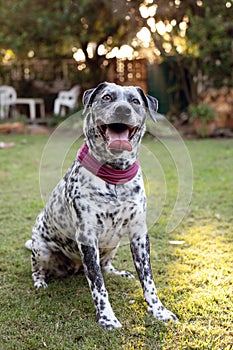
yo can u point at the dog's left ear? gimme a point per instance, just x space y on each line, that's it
150 102
89 95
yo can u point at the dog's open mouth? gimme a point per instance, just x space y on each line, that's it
118 135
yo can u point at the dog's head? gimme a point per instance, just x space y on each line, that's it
115 121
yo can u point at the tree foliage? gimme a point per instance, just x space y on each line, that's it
212 33
199 56
52 28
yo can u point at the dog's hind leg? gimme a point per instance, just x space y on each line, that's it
105 315
38 272
39 260
109 268
47 262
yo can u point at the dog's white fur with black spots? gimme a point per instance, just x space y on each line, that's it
86 216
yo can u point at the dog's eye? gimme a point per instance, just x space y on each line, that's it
107 98
135 101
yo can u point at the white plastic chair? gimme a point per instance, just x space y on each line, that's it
66 100
8 98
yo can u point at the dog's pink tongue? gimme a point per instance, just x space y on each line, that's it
119 140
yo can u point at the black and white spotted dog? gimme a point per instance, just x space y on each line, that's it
99 200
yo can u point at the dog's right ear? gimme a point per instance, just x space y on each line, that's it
89 95
150 102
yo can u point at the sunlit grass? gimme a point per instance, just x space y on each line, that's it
194 279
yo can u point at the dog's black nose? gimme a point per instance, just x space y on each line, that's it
122 111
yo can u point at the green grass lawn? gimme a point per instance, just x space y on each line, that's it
193 279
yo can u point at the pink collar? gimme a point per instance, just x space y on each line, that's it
112 176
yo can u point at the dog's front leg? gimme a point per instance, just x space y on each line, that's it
140 248
105 315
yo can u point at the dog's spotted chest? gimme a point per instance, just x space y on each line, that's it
109 209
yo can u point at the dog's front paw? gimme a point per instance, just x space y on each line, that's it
164 315
109 324
40 284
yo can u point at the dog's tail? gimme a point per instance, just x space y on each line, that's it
28 244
